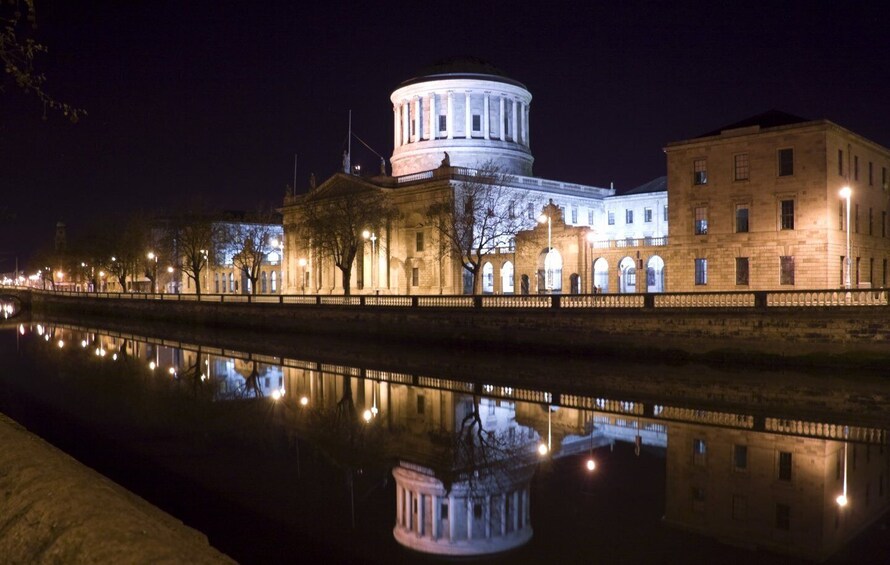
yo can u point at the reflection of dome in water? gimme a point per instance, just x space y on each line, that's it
488 516
467 108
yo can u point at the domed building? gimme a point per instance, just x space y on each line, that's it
467 109
449 218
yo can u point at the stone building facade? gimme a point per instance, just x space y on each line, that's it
757 205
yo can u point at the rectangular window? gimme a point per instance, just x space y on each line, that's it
611 218
418 241
443 123
421 406
443 511
700 171
840 162
840 215
665 218
699 451
787 270
477 122
784 465
701 271
647 214
590 216
855 167
574 214
741 218
740 457
871 174
740 167
741 270
786 162
787 214
701 220
415 276
628 216
856 218
783 517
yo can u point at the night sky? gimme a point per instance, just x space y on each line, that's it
214 98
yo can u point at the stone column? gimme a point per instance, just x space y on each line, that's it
502 119
417 122
451 518
515 121
488 516
434 118
449 119
504 514
409 511
468 115
516 509
400 510
469 518
396 126
435 517
486 118
525 126
406 124
420 514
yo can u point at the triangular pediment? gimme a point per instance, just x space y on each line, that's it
340 185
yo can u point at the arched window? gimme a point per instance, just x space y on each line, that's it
231 282
263 283
216 283
488 278
575 283
274 281
655 274
507 278
552 271
524 284
628 275
601 275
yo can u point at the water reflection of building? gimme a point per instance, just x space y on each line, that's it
747 480
773 491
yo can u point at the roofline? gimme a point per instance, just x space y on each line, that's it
457 76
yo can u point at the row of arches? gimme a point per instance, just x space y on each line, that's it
549 278
228 282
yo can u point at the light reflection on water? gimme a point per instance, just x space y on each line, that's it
478 467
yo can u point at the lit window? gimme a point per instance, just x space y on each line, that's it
741 270
787 214
647 214
701 271
784 465
628 216
741 167
741 218
415 276
611 218
786 162
700 171
574 214
787 270
701 220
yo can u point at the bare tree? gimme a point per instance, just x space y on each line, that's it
480 214
250 243
18 52
193 239
333 224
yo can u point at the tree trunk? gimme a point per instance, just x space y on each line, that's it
198 283
346 277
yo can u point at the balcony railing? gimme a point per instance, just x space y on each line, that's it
757 299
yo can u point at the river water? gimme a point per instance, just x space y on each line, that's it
285 452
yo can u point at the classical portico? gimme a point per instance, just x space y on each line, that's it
465 108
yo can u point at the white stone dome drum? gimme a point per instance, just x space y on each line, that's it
464 107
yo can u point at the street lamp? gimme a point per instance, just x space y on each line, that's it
302 264
154 280
845 194
369 235
548 274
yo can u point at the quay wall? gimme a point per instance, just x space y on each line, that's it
784 331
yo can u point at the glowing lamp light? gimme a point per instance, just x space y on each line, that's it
542 449
304 401
114 357
84 343
374 410
22 329
366 415
152 365
172 370
841 500
61 344
591 465
276 395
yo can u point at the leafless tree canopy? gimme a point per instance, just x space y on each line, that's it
333 225
482 214
250 242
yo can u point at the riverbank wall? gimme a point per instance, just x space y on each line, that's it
857 333
55 510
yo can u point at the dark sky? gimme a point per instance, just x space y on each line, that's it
214 98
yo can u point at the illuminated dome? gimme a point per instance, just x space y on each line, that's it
467 108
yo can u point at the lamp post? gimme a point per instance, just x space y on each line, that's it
842 498
154 281
548 275
591 236
845 194
172 283
302 263
372 237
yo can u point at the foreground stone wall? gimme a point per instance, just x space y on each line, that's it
55 510
785 331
